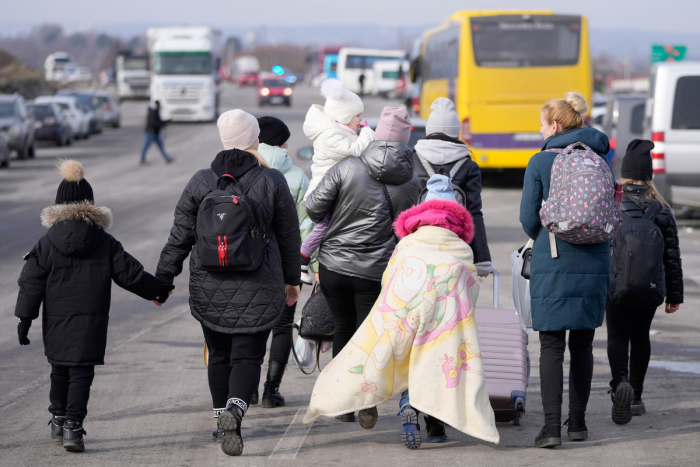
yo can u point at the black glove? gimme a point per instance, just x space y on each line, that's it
23 330
164 292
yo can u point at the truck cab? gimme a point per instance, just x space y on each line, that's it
132 76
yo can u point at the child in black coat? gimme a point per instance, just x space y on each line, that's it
629 313
71 270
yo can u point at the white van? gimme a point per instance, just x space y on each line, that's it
673 124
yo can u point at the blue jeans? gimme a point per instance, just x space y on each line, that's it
153 137
404 400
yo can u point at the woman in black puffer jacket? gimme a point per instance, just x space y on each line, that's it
628 326
237 310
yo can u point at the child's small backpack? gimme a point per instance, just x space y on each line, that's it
460 196
637 274
229 234
581 207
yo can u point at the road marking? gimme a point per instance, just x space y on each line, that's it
288 447
44 380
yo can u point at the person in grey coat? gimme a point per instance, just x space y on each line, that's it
568 292
364 196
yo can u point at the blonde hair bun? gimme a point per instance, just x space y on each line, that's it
71 170
577 102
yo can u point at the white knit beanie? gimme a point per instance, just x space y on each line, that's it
341 104
238 129
443 118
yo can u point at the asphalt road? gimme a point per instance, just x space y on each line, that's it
150 403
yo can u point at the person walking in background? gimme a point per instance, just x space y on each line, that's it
333 130
361 80
370 192
153 126
638 287
237 309
567 292
442 152
70 271
273 148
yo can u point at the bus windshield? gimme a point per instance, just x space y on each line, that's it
135 64
366 61
514 41
182 63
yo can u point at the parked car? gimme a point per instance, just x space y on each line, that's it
88 101
673 123
4 149
78 117
19 125
106 104
51 124
623 121
273 89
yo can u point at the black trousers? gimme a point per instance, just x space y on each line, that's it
70 391
628 329
350 300
282 340
234 366
552 347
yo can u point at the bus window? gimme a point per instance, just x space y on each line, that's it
442 54
511 41
366 61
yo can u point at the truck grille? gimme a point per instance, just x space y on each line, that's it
183 93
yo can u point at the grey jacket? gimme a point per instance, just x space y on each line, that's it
360 239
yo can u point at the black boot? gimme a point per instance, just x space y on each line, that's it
73 436
637 406
577 430
621 396
549 437
57 429
436 429
255 399
230 422
271 395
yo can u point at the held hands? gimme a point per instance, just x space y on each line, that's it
165 291
292 293
672 308
23 331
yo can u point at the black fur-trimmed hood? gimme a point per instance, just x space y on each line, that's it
76 229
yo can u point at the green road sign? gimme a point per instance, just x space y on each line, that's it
667 53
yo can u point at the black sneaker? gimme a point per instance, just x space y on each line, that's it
622 397
230 423
549 437
368 417
73 433
637 407
577 430
436 429
57 429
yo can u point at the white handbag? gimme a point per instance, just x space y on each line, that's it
304 351
520 287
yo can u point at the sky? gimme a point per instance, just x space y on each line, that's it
677 16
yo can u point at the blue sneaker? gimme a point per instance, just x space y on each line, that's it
410 429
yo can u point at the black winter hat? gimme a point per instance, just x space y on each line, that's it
273 131
637 161
74 188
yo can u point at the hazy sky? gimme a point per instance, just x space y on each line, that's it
680 16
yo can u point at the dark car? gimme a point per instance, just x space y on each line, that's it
51 125
273 89
623 122
18 123
88 101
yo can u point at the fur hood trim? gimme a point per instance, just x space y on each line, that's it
99 216
449 215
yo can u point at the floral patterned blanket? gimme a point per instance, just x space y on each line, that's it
421 336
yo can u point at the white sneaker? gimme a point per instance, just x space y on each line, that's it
305 276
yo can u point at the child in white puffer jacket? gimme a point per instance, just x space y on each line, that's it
333 130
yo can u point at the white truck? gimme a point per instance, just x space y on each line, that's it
132 76
55 66
184 72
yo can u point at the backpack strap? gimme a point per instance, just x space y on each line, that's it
212 179
253 176
653 210
427 165
458 166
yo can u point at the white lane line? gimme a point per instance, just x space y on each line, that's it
288 447
44 380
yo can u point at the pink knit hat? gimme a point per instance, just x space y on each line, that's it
394 125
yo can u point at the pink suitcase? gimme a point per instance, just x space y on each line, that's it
506 358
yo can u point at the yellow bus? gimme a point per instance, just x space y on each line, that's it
499 68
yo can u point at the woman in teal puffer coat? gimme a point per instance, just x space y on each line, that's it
567 292
273 148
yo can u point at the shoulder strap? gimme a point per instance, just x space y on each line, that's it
388 201
211 179
653 210
253 175
458 166
427 165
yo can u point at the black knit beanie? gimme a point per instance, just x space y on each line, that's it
273 131
74 188
637 161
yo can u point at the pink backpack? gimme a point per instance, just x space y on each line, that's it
581 207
